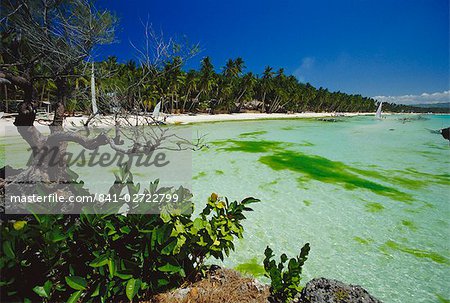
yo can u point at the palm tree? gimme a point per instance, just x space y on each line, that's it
172 80
245 85
190 85
238 67
230 90
266 85
206 78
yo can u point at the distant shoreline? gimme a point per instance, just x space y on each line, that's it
202 118
174 119
177 119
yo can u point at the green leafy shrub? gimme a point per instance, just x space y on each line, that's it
285 281
104 258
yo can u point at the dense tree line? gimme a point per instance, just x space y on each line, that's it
138 87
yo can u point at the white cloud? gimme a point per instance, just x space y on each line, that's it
425 98
306 65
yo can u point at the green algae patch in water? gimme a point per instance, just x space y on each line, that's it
269 186
389 177
441 299
435 146
288 128
306 143
199 175
251 134
325 170
219 172
409 224
249 146
374 207
363 241
419 253
307 202
274 182
251 267
432 178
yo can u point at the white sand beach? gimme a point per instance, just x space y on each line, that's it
6 123
183 119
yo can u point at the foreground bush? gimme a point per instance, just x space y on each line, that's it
285 281
102 258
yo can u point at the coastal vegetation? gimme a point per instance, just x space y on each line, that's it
285 278
227 89
109 258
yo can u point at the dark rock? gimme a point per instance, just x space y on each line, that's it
445 132
323 290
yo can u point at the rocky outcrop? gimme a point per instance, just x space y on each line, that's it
228 286
323 290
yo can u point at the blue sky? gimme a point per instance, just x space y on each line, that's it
375 48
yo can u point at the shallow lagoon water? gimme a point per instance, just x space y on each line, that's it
371 197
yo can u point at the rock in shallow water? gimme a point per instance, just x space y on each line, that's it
323 290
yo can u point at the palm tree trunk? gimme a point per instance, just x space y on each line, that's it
185 100
263 109
198 95
239 98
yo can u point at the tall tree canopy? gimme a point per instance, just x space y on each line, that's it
48 39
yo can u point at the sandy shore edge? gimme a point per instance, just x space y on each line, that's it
6 124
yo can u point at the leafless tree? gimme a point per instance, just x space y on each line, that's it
51 39
48 39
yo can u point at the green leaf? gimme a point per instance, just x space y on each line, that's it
198 224
162 282
125 229
8 250
268 252
40 291
111 267
163 233
165 217
77 283
57 236
96 291
100 261
123 275
132 288
44 291
48 286
250 200
169 248
74 297
170 268
180 242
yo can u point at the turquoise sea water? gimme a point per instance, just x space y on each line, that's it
371 197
